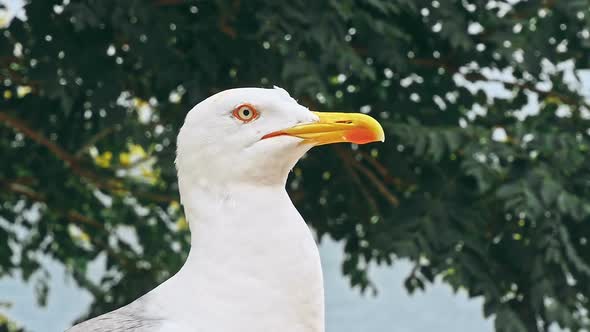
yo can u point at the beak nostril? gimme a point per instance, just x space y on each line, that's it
344 122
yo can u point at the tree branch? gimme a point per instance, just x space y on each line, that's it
382 170
391 198
347 158
227 16
358 181
97 137
72 215
41 140
72 162
169 2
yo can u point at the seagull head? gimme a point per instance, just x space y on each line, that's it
255 136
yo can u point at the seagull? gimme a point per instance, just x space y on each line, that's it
253 265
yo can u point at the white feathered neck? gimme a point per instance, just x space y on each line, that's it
253 265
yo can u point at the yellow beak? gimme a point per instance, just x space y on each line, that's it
336 128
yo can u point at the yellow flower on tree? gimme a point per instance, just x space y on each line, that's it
104 159
125 159
182 224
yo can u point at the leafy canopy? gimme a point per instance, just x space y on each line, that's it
483 180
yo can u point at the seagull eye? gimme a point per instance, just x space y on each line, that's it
245 113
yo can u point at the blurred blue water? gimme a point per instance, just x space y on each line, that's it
437 309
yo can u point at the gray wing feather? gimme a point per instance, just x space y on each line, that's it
127 319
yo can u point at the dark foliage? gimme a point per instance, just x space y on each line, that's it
473 185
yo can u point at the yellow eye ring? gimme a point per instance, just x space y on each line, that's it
245 113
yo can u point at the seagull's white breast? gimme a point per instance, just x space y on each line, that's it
254 266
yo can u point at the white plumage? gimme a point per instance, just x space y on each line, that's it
253 264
